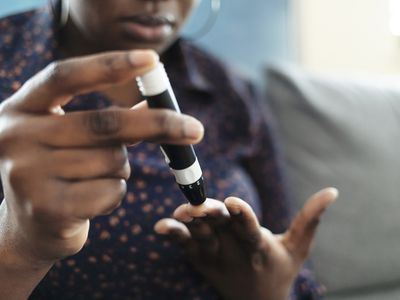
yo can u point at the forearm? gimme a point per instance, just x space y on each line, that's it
19 274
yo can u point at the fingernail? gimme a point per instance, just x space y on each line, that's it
334 193
165 226
183 218
160 229
193 129
186 219
140 58
233 208
235 211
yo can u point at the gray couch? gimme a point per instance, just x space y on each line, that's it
345 133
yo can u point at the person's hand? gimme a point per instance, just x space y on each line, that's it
60 170
243 260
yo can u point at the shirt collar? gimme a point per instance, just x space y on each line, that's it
184 69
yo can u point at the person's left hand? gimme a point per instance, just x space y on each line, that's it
243 260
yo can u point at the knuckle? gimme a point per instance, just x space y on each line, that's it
166 124
103 122
126 171
12 127
7 137
119 187
45 205
5 107
118 157
123 172
119 164
112 68
17 175
65 234
43 208
55 73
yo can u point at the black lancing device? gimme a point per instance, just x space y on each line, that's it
156 89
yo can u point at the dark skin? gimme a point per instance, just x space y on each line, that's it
243 260
48 207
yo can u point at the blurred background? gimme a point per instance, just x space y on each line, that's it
248 36
334 131
323 35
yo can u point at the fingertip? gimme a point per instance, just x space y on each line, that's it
182 214
319 202
57 110
232 204
328 195
333 193
140 105
328 190
193 129
302 230
235 205
243 215
154 54
167 226
210 208
141 58
161 227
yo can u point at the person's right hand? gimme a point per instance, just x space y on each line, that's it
61 170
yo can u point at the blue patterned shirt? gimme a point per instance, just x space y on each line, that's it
123 257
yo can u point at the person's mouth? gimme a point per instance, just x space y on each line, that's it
148 28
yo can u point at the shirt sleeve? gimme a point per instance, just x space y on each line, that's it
264 164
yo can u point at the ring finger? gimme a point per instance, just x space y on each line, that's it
89 163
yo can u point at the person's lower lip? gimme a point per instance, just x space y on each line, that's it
146 32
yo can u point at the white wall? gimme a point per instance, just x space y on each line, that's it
346 35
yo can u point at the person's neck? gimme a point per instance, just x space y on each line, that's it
74 44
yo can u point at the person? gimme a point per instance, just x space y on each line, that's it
70 108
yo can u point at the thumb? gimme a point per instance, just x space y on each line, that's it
299 237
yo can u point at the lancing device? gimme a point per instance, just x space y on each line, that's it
182 160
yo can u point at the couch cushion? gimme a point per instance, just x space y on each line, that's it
384 293
346 134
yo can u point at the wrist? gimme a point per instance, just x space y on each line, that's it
277 291
20 272
259 292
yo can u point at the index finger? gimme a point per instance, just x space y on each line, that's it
60 81
116 126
